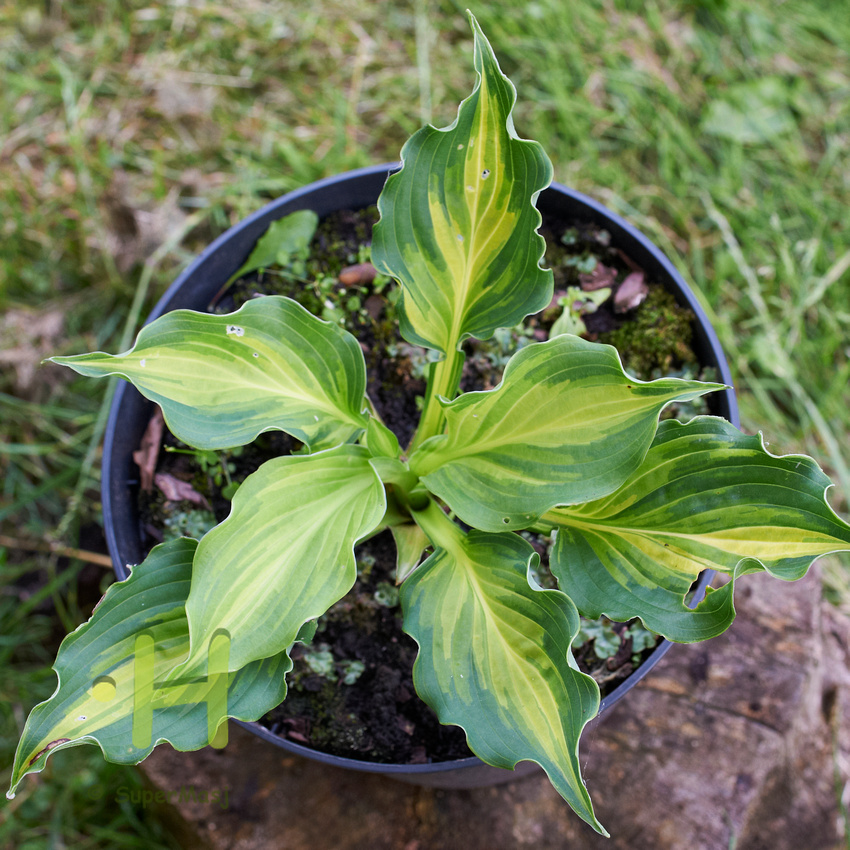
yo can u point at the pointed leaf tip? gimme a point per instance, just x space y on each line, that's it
459 224
306 376
137 633
495 658
566 425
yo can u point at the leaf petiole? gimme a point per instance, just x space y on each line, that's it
392 471
441 531
443 382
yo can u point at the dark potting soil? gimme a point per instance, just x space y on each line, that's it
350 691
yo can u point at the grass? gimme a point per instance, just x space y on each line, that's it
132 133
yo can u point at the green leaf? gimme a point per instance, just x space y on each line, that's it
285 238
495 658
705 497
103 675
222 380
410 542
458 222
566 425
380 441
284 555
393 471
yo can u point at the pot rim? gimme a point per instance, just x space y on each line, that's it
325 193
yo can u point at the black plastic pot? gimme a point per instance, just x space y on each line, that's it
202 281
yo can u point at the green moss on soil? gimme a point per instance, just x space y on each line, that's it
657 338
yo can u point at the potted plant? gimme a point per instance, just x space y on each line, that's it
568 443
288 233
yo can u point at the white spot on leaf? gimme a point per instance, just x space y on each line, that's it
485 173
255 354
81 717
142 363
460 237
235 330
460 146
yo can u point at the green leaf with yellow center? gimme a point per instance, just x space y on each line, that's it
223 379
705 497
111 672
284 555
495 657
458 222
566 425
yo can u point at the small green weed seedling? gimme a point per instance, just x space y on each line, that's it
566 443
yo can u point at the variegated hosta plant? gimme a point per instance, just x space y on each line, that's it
567 442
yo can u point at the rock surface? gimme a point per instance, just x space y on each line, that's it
741 742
